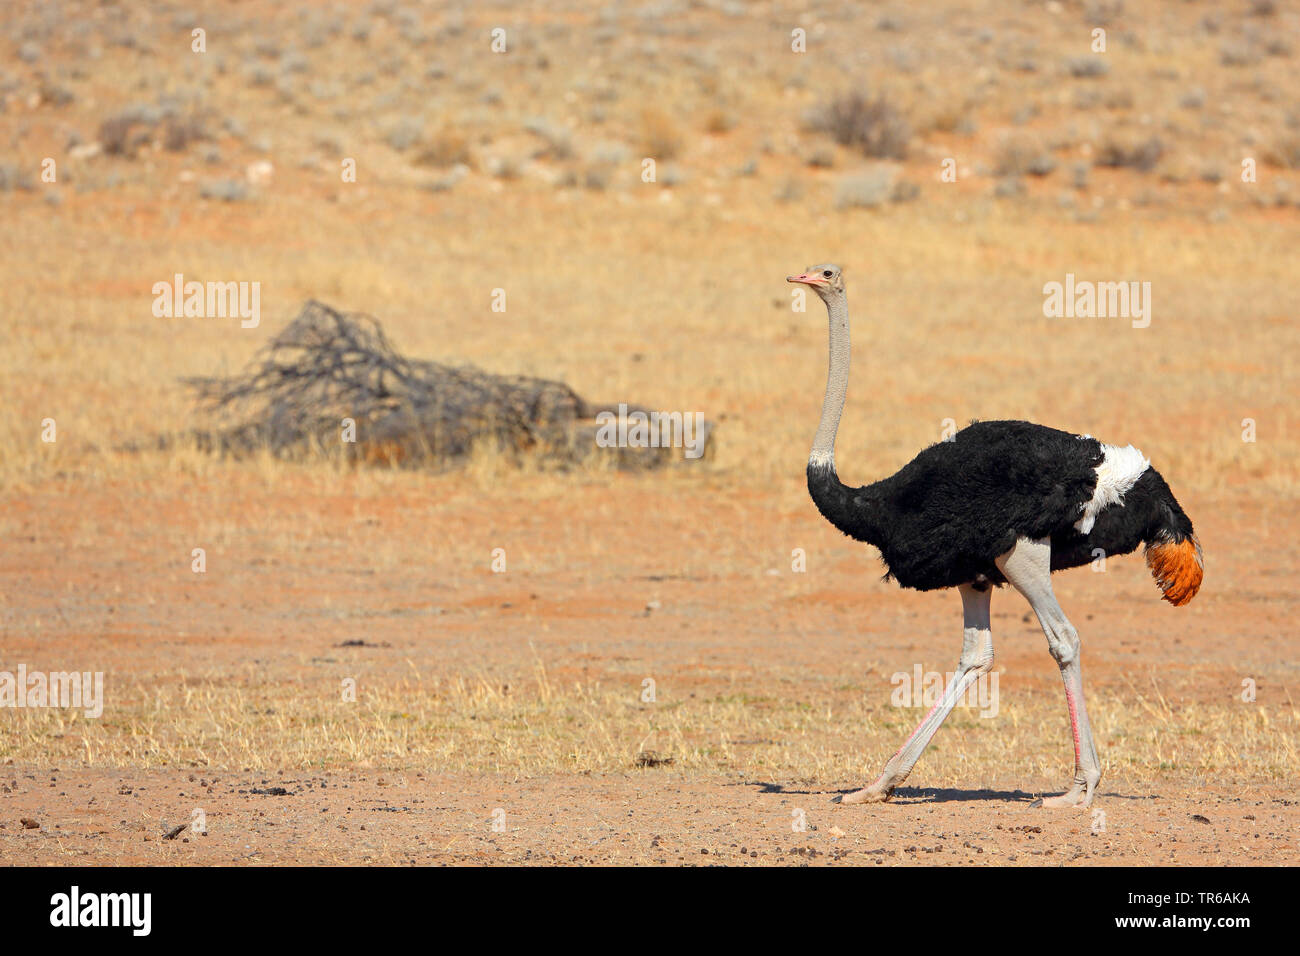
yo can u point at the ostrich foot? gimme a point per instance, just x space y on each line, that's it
870 794
1079 795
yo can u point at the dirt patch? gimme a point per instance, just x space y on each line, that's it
651 817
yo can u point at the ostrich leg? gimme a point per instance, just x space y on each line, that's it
976 660
1028 567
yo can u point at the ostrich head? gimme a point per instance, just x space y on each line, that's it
826 280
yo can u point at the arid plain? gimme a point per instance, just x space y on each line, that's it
500 715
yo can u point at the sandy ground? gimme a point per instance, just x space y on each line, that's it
650 817
742 632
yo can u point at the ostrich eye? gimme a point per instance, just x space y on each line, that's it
827 273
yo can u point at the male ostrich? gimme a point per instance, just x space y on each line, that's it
1002 502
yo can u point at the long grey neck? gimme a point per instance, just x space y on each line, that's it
837 384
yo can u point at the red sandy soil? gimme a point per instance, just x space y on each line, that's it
647 817
120 595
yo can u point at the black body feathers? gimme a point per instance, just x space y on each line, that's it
943 519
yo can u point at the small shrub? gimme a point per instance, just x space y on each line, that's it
1088 66
1277 46
54 93
1023 155
597 176
446 147
1086 98
821 158
1027 112
1136 153
719 121
260 75
1238 53
1175 170
180 131
1041 165
1009 187
1284 151
1100 14
294 62
905 191
953 117
448 181
1119 99
117 134
659 134
504 167
558 138
404 134
791 190
14 177
871 125
224 190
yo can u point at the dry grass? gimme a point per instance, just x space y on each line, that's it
1220 348
661 136
444 147
473 724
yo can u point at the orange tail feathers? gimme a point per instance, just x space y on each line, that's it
1176 566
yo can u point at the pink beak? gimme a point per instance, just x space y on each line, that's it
806 279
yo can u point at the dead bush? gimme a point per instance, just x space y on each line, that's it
330 383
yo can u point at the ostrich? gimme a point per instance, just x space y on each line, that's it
1000 503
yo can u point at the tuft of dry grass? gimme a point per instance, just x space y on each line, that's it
442 148
719 121
1284 151
660 135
